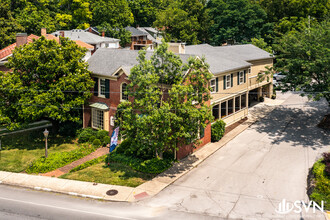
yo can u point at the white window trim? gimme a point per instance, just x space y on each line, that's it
228 77
100 95
121 92
215 85
93 114
241 77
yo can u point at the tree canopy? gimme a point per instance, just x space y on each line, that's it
304 57
190 21
48 81
235 20
156 119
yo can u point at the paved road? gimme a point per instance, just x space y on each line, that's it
246 179
19 203
265 164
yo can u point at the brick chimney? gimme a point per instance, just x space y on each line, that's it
43 32
21 39
103 33
61 33
90 29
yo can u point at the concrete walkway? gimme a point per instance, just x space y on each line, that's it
147 189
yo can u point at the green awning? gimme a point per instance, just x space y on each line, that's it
99 105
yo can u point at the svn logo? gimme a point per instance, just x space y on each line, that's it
285 207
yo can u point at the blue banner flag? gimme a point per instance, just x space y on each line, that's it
114 139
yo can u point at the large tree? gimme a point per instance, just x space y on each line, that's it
33 19
116 32
235 20
170 104
279 9
48 81
304 56
117 13
177 24
8 25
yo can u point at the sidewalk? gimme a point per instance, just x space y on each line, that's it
150 188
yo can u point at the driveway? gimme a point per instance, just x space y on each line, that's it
252 174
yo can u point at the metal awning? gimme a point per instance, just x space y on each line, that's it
99 105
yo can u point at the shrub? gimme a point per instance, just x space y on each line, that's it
85 134
97 143
123 146
326 161
101 134
321 192
261 99
59 159
106 140
91 139
273 96
69 128
217 130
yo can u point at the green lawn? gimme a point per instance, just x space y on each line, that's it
116 174
20 149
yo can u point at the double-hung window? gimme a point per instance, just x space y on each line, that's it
102 87
124 95
97 118
241 77
213 85
228 81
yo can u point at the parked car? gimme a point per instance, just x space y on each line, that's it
279 76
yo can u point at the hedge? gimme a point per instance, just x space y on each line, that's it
217 130
321 192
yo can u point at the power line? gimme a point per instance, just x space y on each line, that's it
112 92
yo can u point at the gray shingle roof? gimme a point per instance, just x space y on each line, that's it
87 37
219 60
106 61
135 32
149 36
247 52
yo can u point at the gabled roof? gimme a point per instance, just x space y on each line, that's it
7 51
135 32
247 52
218 60
87 37
146 31
107 62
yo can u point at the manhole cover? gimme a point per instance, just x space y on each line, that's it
112 192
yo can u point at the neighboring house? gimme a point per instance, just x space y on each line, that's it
85 36
5 53
235 69
152 34
22 38
139 39
111 69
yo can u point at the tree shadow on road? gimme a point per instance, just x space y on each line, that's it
180 167
296 125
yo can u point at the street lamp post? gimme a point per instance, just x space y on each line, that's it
46 132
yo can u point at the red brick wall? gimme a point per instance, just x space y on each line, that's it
112 102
